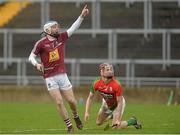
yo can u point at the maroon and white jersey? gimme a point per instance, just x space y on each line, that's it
51 54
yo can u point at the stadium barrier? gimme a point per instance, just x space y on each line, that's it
129 80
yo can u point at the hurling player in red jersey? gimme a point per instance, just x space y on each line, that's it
50 49
113 103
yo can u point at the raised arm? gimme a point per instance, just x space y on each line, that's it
78 22
88 104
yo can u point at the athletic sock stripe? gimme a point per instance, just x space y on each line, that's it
76 116
68 123
67 120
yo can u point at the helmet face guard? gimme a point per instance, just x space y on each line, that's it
106 70
47 28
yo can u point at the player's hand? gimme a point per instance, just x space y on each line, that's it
40 67
85 11
86 116
116 124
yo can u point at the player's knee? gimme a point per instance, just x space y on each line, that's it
72 101
59 102
98 123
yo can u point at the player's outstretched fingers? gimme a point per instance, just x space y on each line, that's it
85 11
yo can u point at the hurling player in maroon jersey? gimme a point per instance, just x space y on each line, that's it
50 49
113 102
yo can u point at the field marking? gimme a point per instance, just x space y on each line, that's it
33 130
168 124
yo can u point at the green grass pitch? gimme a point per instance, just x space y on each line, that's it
31 118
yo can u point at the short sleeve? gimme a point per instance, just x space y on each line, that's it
36 50
92 88
94 85
64 36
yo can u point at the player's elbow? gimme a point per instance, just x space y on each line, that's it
99 123
69 32
90 98
29 59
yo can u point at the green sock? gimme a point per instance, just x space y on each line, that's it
131 122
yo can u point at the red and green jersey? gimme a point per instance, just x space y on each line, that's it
109 91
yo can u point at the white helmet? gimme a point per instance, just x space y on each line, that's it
47 26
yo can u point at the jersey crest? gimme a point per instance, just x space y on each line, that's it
54 55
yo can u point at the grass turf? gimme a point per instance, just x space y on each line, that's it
43 118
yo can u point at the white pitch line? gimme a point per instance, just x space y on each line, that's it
33 130
168 124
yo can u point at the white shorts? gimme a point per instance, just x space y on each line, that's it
59 81
104 108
